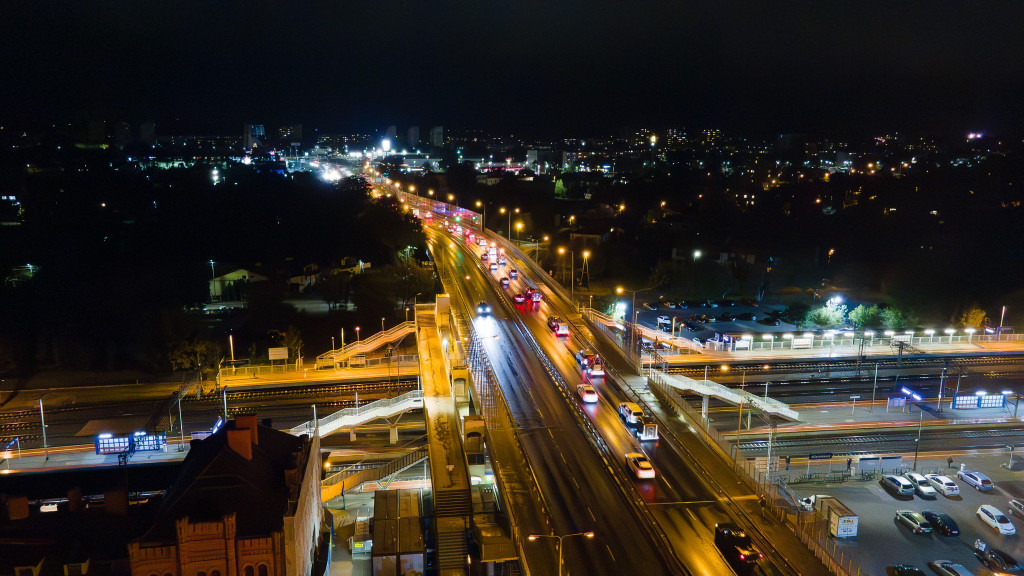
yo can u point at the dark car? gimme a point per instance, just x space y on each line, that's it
941 523
701 318
749 302
747 316
736 547
725 303
726 317
998 561
770 321
904 570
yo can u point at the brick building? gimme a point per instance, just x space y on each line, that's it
247 503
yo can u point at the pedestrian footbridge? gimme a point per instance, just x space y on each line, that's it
349 417
708 388
346 354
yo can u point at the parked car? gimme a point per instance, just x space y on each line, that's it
980 482
921 485
913 520
670 304
941 523
943 484
749 302
664 320
746 317
651 305
991 515
770 321
726 317
949 568
1016 506
998 561
897 485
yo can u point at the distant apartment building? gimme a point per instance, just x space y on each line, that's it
413 137
391 133
247 503
253 135
437 136
290 135
147 133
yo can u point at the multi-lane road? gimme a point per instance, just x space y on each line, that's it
590 489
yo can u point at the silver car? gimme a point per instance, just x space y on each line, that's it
921 485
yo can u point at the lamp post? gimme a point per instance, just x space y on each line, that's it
483 218
739 419
519 228
585 273
357 334
382 324
535 537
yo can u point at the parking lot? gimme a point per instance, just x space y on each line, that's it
882 542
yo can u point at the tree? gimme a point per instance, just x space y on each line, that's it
866 317
195 354
893 319
335 289
973 317
290 339
833 313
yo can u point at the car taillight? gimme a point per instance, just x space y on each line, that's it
743 556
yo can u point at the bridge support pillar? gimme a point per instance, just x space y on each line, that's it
704 408
393 429
352 434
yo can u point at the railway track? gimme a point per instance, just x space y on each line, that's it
858 444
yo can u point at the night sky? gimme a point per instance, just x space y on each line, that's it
543 66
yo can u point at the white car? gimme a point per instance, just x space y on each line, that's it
991 515
587 393
943 484
664 320
1016 506
921 485
640 465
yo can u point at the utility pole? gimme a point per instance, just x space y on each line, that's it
942 380
739 420
873 388
917 443
42 420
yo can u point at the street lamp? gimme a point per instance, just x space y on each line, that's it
382 324
535 537
585 273
357 334
519 228
483 219
771 341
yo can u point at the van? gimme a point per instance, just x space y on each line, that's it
897 485
631 413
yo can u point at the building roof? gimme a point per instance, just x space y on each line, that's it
217 481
